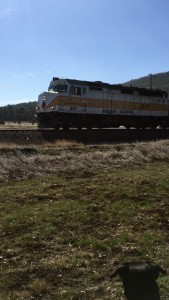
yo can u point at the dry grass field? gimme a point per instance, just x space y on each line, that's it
16 125
69 214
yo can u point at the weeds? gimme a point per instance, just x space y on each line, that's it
25 162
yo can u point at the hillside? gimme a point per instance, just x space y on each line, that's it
22 112
159 81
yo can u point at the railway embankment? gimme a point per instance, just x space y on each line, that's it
95 136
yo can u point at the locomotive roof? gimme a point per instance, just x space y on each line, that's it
98 85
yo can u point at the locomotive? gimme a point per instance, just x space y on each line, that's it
71 103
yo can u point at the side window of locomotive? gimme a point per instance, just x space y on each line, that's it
75 91
72 90
78 91
84 91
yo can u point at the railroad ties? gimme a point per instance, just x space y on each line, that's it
95 136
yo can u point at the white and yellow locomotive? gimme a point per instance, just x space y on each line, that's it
86 104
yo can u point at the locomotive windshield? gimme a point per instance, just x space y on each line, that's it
61 88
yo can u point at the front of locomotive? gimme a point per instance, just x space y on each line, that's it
48 103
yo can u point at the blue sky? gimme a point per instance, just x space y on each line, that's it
107 40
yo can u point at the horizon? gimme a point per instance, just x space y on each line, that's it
112 41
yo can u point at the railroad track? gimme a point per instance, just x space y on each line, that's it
95 136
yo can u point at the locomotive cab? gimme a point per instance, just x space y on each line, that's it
47 101
56 106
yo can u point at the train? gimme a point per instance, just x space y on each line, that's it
72 103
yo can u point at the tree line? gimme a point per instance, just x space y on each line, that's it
156 81
17 113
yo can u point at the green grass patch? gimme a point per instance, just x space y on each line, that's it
62 235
